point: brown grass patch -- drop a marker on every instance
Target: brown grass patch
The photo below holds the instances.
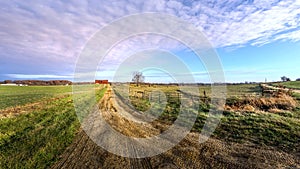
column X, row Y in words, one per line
column 27, row 108
column 248, row 108
column 271, row 104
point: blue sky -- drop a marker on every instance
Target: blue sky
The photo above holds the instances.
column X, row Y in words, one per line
column 254, row 39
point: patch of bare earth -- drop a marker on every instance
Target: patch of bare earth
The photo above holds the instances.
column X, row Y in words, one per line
column 27, row 108
column 189, row 153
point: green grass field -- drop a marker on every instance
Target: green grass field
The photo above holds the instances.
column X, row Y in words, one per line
column 280, row 130
column 11, row 96
column 35, row 139
column 276, row 129
column 290, row 84
column 243, row 90
column 231, row 90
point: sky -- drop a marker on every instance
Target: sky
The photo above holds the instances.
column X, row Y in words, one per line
column 255, row 40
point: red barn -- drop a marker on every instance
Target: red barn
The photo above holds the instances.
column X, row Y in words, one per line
column 101, row 81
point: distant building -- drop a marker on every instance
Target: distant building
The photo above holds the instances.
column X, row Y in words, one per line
column 101, row 81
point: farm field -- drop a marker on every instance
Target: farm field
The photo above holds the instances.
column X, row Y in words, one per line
column 248, row 117
column 12, row 96
column 254, row 132
column 40, row 123
column 231, row 90
column 289, row 84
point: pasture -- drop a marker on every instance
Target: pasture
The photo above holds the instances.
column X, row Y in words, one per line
column 248, row 116
column 289, row 84
column 37, row 136
column 38, row 123
column 12, row 96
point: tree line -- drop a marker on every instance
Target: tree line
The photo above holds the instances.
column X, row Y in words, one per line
column 37, row 82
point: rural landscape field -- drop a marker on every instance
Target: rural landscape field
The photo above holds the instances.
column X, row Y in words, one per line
column 158, row 84
column 40, row 129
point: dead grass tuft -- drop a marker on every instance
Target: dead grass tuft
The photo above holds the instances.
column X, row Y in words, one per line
column 275, row 103
column 248, row 108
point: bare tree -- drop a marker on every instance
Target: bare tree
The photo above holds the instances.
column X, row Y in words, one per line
column 138, row 78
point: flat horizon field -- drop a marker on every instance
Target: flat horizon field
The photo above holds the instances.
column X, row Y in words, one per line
column 39, row 127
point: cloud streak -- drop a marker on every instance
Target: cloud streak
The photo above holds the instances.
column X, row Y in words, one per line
column 31, row 76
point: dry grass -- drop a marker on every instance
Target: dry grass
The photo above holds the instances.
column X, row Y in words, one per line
column 27, row 108
column 276, row 103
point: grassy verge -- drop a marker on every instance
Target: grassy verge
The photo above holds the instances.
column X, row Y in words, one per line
column 289, row 84
column 278, row 130
column 36, row 139
column 38, row 136
column 296, row 95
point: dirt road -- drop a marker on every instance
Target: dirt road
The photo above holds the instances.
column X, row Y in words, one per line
column 277, row 88
column 84, row 153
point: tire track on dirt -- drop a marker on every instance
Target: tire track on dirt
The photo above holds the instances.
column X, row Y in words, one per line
column 84, row 153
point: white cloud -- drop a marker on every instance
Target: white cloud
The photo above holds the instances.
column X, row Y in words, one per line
column 248, row 23
column 295, row 36
column 61, row 28
column 29, row 76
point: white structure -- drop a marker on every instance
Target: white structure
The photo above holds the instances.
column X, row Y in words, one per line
column 13, row 84
column 9, row 84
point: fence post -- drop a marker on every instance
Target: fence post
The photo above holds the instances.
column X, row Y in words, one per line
column 159, row 98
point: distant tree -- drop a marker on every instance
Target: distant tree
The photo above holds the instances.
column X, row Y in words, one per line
column 7, row 81
column 284, row 78
column 288, row 79
column 138, row 78
column 298, row 79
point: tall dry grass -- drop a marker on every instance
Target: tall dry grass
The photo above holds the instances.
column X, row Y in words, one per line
column 278, row 101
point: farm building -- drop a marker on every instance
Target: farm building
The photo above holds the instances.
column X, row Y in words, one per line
column 101, row 81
